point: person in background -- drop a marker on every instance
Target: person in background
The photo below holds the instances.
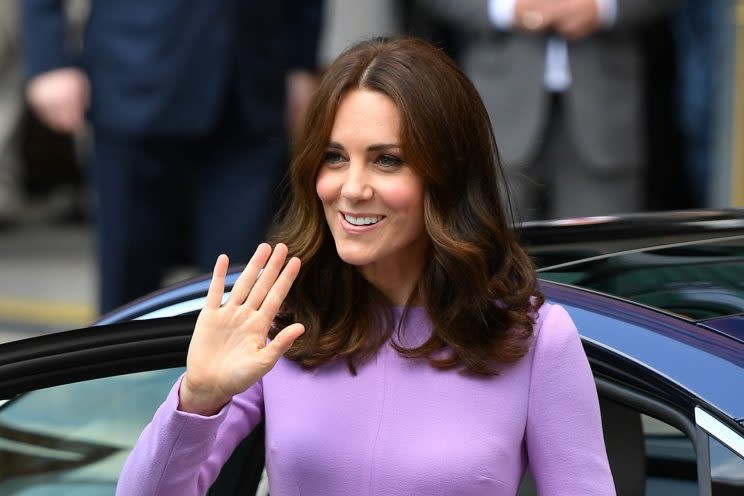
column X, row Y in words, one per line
column 394, row 338
column 189, row 105
column 698, row 70
column 11, row 111
column 562, row 81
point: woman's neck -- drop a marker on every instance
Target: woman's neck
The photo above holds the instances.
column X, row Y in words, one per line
column 396, row 283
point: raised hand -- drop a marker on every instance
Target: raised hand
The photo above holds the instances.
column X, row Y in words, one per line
column 229, row 350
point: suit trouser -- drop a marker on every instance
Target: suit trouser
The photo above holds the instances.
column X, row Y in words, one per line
column 160, row 199
column 561, row 182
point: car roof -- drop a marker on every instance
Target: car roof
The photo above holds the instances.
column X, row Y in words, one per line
column 690, row 263
column 553, row 242
column 700, row 280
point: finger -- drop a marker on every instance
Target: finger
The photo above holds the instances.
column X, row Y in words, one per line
column 268, row 277
column 247, row 278
column 282, row 342
column 574, row 29
column 280, row 288
column 217, row 284
column 564, row 22
column 552, row 14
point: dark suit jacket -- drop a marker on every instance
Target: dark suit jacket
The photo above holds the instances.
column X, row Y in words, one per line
column 164, row 67
column 604, row 103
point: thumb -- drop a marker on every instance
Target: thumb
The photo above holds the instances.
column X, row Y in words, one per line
column 283, row 341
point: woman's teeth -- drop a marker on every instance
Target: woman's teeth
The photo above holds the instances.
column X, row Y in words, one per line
column 362, row 221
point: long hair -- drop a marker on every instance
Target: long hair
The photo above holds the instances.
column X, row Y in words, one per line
column 478, row 286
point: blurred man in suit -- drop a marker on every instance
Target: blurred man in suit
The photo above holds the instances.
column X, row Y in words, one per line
column 562, row 80
column 189, row 104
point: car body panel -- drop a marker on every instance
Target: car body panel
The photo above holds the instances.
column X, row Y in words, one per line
column 731, row 326
column 693, row 358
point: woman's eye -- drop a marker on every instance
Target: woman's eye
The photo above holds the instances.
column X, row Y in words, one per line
column 333, row 158
column 389, row 160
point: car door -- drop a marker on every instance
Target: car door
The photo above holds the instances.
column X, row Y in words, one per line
column 666, row 390
column 75, row 402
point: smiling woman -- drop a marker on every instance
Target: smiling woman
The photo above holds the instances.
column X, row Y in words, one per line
column 403, row 133
column 396, row 317
column 373, row 201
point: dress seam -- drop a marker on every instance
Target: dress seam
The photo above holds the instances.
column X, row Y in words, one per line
column 170, row 456
column 379, row 424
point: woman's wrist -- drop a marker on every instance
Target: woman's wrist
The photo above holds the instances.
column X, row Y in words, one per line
column 191, row 401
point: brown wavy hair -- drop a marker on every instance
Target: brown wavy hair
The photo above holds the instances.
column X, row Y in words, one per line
column 478, row 286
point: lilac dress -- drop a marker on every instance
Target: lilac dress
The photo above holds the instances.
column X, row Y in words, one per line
column 399, row 427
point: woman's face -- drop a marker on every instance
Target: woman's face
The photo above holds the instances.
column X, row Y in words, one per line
column 373, row 201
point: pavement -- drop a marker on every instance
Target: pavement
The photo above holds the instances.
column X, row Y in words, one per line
column 47, row 278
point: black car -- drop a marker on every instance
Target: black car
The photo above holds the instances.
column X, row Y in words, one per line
column 657, row 298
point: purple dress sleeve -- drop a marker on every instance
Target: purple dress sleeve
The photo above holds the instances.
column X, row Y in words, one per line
column 564, row 429
column 182, row 453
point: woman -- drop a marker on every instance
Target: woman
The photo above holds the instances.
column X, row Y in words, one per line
column 412, row 353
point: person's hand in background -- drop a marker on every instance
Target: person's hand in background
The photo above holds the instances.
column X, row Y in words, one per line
column 573, row 19
column 60, row 98
column 300, row 88
column 534, row 16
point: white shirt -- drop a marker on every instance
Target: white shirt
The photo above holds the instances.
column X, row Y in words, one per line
column 557, row 72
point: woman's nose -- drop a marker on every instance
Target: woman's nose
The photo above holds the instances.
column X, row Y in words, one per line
column 356, row 185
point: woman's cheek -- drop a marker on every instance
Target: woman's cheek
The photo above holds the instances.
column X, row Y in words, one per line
column 405, row 195
column 324, row 187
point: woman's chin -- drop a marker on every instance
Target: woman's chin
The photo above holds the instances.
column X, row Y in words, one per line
column 354, row 257
column 354, row 260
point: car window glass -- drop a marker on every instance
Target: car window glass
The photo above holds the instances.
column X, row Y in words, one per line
column 726, row 470
column 698, row 281
column 671, row 463
column 74, row 438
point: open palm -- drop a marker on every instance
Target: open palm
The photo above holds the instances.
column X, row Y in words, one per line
column 229, row 350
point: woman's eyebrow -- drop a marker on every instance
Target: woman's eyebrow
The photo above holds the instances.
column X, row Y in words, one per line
column 382, row 146
column 371, row 148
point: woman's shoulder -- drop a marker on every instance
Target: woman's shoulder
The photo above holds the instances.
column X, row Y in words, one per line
column 553, row 324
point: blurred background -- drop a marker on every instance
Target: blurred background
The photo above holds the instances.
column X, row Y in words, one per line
column 672, row 77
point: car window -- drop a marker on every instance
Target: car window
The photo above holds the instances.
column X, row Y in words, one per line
column 671, row 463
column 74, row 438
column 647, row 456
column 698, row 281
column 726, row 470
